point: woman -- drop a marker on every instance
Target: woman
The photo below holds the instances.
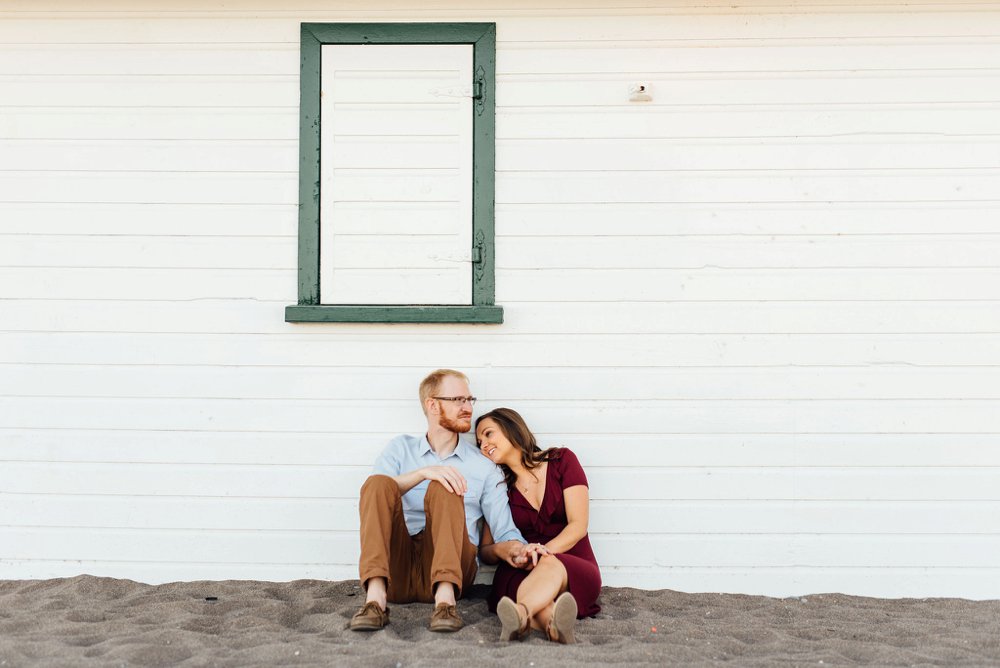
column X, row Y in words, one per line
column 550, row 503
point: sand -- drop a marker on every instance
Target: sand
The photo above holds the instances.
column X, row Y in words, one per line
column 91, row 621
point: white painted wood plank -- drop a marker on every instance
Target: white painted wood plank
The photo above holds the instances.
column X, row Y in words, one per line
column 647, row 484
column 246, row 547
column 601, row 449
column 202, row 447
column 616, row 58
column 751, row 121
column 752, row 186
column 972, row 583
column 180, row 513
column 888, row 251
column 708, row 284
column 534, row 91
column 882, row 23
column 367, row 152
column 630, row 417
column 62, row 29
column 518, row 220
column 747, row 219
column 607, row 518
column 514, row 155
column 391, row 185
column 145, row 283
column 145, row 91
column 147, row 187
column 789, row 123
column 641, row 318
column 148, row 155
column 234, row 220
column 426, row 349
column 178, row 122
column 159, row 60
column 504, row 386
column 520, row 285
column 814, row 87
column 176, row 480
column 356, row 254
column 779, row 23
column 630, row 154
column 672, row 551
column 408, row 286
column 154, row 572
column 136, row 250
column 525, row 253
column 763, row 317
column 918, row 551
column 882, row 518
column 243, row 317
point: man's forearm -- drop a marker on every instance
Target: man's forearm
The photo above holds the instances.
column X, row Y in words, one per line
column 504, row 551
column 408, row 481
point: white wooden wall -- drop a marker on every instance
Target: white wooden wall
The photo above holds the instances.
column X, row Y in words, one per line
column 763, row 307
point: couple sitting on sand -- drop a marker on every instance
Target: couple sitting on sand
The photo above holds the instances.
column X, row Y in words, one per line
column 421, row 512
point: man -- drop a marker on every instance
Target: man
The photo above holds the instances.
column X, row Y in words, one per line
column 420, row 512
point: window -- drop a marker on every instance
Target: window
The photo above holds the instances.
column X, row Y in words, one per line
column 396, row 171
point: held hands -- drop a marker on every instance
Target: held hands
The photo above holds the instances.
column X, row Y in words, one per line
column 525, row 556
column 532, row 553
column 448, row 476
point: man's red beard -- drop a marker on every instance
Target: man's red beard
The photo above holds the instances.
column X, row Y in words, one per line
column 458, row 426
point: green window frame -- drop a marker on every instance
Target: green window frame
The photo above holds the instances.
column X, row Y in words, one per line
column 483, row 38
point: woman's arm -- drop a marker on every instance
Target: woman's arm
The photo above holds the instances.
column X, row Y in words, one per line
column 577, row 500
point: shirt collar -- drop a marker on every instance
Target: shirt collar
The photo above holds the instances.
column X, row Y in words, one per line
column 460, row 449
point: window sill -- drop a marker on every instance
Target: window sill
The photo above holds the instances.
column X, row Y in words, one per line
column 402, row 314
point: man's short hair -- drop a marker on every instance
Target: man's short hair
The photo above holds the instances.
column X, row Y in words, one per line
column 429, row 385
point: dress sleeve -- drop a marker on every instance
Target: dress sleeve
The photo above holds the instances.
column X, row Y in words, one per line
column 572, row 472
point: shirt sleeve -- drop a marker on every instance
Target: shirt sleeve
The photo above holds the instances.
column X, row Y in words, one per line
column 572, row 472
column 390, row 462
column 496, row 509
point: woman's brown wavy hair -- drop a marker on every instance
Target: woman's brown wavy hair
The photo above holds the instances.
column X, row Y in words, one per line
column 516, row 430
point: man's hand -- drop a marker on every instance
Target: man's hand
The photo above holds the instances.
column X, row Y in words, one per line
column 448, row 476
column 513, row 552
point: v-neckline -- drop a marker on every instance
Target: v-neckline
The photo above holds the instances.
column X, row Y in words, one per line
column 545, row 489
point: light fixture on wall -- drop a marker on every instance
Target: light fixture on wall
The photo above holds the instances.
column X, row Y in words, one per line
column 639, row 92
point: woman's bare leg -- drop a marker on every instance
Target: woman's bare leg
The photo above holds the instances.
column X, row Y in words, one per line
column 538, row 591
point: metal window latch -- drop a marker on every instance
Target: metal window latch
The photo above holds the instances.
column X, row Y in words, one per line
column 479, row 256
column 479, row 91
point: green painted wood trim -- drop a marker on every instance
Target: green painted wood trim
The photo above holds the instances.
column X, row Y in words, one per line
column 409, row 314
column 483, row 38
column 484, row 168
column 309, row 167
column 398, row 33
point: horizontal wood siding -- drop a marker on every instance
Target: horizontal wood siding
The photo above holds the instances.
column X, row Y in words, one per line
column 763, row 308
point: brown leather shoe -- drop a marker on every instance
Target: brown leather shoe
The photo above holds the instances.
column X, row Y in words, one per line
column 370, row 617
column 445, row 619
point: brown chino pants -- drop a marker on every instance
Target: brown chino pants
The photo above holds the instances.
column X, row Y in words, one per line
column 413, row 564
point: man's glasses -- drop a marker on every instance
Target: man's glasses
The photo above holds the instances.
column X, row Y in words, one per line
column 458, row 400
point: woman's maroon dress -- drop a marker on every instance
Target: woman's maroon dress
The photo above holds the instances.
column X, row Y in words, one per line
column 544, row 524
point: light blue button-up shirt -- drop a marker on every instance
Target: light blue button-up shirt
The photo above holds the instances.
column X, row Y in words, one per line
column 486, row 497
